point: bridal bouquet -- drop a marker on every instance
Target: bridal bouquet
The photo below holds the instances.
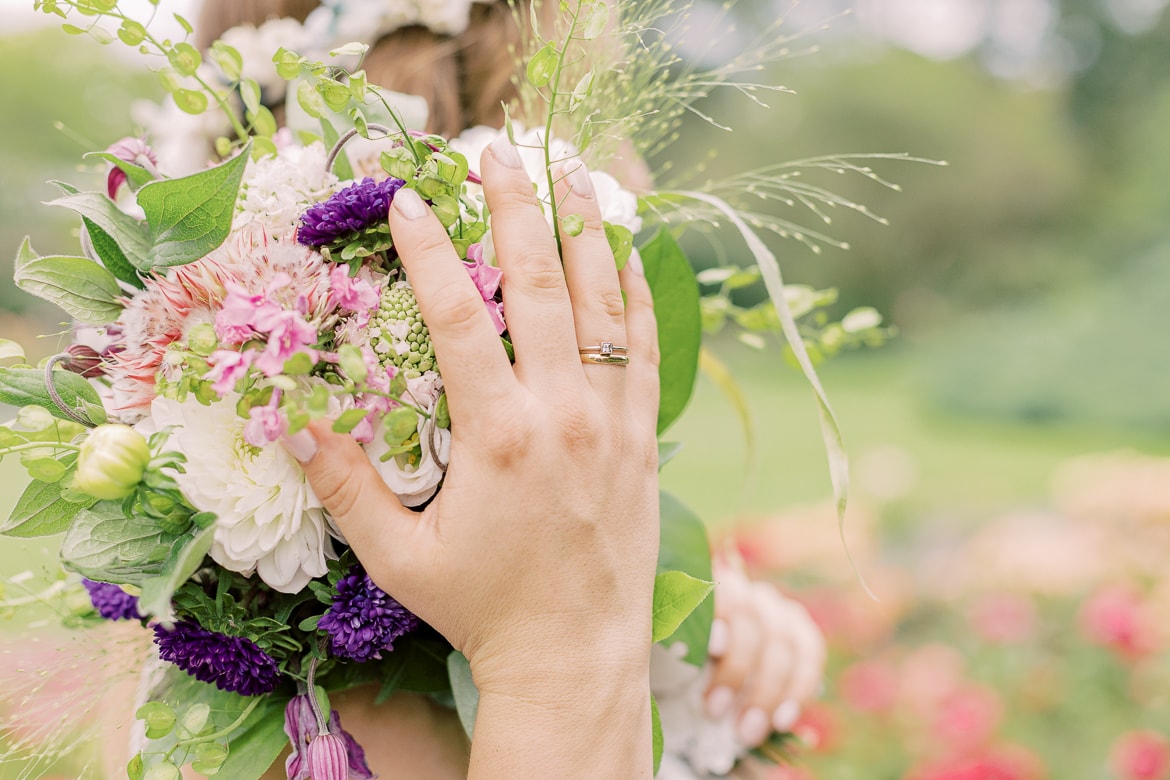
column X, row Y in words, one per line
column 221, row 311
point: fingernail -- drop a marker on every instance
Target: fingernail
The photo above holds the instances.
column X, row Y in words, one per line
column 635, row 262
column 505, row 153
column 409, row 204
column 753, row 727
column 719, row 701
column 785, row 716
column 577, row 177
column 301, row 445
column 717, row 644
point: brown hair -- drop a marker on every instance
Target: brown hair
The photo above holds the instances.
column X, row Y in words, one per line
column 464, row 78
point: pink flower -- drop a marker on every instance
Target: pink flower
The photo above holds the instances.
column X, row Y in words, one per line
column 227, row 368
column 1112, row 617
column 968, row 717
column 355, row 295
column 487, row 280
column 1003, row 618
column 870, row 686
column 131, row 150
column 288, row 334
column 236, row 321
column 265, row 423
column 1141, row 755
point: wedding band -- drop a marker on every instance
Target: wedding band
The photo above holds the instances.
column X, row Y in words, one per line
column 606, row 354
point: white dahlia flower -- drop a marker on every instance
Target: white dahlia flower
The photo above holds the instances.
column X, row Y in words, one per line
column 268, row 519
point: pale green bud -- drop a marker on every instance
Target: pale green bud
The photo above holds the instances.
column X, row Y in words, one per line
column 111, row 463
column 201, row 339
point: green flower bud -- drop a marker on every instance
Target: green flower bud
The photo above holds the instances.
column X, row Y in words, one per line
column 111, row 463
column 202, row 340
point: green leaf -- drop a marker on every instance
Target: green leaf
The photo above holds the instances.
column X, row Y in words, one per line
column 666, row 452
column 159, row 717
column 543, row 65
column 595, row 24
column 9, row 350
column 656, row 737
column 103, row 543
column 111, row 255
column 229, row 60
column 209, row 758
column 349, row 419
column 190, row 101
column 136, row 175
column 192, row 215
column 676, row 595
column 184, row 24
column 195, row 718
column 44, row 469
column 621, row 243
column 463, row 690
column 680, row 328
column 41, row 510
column 830, row 429
column 79, row 286
column 131, row 236
column 684, row 547
column 26, row 386
column 186, row 559
column 250, row 94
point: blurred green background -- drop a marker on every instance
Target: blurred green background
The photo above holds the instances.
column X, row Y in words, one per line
column 1029, row 281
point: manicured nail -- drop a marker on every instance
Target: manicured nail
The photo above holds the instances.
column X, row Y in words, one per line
column 717, row 644
column 719, row 701
column 409, row 204
column 505, row 153
column 753, row 727
column 576, row 175
column 301, row 445
column 785, row 716
column 634, row 263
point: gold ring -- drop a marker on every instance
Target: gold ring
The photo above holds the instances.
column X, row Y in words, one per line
column 606, row 354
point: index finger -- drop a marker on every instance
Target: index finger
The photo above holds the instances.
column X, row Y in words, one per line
column 471, row 359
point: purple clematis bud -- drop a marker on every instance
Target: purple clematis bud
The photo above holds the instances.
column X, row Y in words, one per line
column 332, row 755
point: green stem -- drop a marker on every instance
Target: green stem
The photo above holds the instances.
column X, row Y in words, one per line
column 256, row 700
column 548, row 125
column 39, row 445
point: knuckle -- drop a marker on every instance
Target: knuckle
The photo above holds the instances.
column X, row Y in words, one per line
column 338, row 492
column 610, row 302
column 539, row 273
column 578, row 430
column 454, row 311
column 516, row 196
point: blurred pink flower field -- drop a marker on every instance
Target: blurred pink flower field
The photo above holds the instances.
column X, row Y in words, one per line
column 1033, row 646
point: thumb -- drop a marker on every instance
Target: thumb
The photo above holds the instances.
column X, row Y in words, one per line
column 353, row 493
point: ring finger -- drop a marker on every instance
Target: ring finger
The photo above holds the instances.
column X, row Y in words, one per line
column 599, row 313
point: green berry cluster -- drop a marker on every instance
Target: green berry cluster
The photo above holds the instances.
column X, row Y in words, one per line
column 398, row 335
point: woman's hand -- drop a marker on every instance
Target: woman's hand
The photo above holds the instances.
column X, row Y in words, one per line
column 767, row 656
column 537, row 557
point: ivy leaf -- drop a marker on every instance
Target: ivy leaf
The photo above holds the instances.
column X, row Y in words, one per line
column 42, row 511
column 192, row 215
column 26, row 387
column 79, row 286
column 680, row 328
column 464, row 690
column 104, row 543
column 186, row 558
column 684, row 547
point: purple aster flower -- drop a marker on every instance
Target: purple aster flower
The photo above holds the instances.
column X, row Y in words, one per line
column 232, row 663
column 351, row 210
column 334, row 754
column 364, row 620
column 112, row 602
